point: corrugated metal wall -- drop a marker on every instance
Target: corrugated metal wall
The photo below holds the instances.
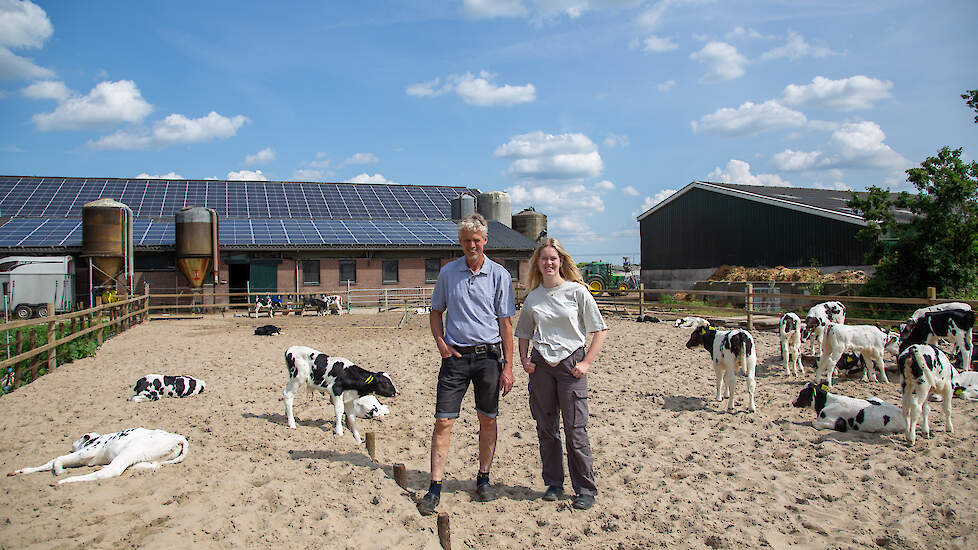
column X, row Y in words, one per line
column 704, row 229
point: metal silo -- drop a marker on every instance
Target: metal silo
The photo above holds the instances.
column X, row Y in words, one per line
column 495, row 205
column 107, row 243
column 530, row 223
column 196, row 242
column 463, row 205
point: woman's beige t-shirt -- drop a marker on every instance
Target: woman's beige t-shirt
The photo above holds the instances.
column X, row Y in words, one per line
column 559, row 319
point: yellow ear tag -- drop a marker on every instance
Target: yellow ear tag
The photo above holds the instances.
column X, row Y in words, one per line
column 369, row 379
column 959, row 391
column 702, row 331
column 824, row 388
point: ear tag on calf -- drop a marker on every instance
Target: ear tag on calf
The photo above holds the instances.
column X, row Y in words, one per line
column 369, row 379
column 702, row 331
column 825, row 388
column 958, row 392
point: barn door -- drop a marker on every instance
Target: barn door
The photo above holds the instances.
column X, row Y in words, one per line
column 264, row 276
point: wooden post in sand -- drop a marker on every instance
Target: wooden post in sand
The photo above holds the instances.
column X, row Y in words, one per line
column 372, row 446
column 444, row 531
column 750, row 306
column 400, row 475
column 641, row 299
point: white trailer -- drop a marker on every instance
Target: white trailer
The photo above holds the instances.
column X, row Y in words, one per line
column 29, row 283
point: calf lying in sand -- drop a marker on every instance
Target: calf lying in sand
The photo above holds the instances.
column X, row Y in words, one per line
column 843, row 414
column 340, row 378
column 136, row 448
column 926, row 370
column 155, row 386
column 731, row 350
column 268, row 330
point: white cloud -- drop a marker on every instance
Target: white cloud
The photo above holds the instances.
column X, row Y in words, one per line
column 475, row 90
column 629, row 190
column 167, row 176
column 305, row 174
column 11, row 149
column 604, row 185
column 650, row 201
column 478, row 9
column 749, row 119
column 612, row 141
column 246, row 175
column 741, row 32
column 834, row 186
column 320, row 162
column 666, row 86
column 364, row 178
column 174, row 130
column 542, row 156
column 361, row 158
column 107, row 104
column 854, row 145
column 22, row 25
column 47, row 89
column 264, row 156
column 738, row 171
column 795, row 47
column 655, row 43
column 722, row 60
column 824, row 125
column 847, row 94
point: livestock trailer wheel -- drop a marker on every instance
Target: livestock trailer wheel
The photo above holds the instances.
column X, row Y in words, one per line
column 23, row 312
column 595, row 285
column 41, row 311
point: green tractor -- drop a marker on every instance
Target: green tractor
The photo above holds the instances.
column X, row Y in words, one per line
column 599, row 278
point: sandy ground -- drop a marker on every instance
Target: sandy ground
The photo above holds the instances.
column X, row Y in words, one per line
column 672, row 466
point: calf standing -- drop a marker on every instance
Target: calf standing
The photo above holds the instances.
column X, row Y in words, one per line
column 789, row 330
column 819, row 316
column 926, row 370
column 731, row 350
column 138, row 448
column 866, row 340
column 952, row 323
column 339, row 377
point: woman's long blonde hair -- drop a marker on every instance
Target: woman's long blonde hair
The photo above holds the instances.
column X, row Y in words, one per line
column 568, row 269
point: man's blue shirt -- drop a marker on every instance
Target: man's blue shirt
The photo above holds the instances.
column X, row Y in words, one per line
column 473, row 302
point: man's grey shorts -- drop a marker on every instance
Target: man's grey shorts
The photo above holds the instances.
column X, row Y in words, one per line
column 453, row 380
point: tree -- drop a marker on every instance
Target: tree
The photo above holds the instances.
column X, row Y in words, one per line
column 939, row 246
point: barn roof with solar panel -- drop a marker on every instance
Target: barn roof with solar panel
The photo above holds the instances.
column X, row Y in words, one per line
column 41, row 214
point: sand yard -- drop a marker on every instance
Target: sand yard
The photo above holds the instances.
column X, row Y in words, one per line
column 674, row 469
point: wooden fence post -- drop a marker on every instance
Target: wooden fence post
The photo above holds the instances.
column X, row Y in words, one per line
column 932, row 294
column 98, row 322
column 641, row 299
column 750, row 306
column 32, row 341
column 18, row 349
column 145, row 315
column 52, row 336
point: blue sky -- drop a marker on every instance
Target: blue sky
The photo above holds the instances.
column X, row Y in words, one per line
column 588, row 110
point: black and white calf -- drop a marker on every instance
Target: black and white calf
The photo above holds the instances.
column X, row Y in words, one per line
column 926, row 370
column 731, row 350
column 953, row 323
column 818, row 317
column 328, row 304
column 866, row 340
column 789, row 330
column 367, row 406
column 268, row 330
column 135, row 448
column 155, row 386
column 340, row 378
column 965, row 384
column 843, row 414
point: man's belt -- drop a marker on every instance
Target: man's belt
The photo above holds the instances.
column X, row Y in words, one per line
column 480, row 349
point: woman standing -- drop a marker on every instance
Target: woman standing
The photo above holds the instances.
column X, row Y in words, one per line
column 557, row 316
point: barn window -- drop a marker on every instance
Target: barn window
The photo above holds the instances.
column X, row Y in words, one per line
column 310, row 272
column 431, row 268
column 390, row 272
column 348, row 271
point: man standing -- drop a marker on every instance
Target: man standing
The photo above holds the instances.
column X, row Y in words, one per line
column 475, row 295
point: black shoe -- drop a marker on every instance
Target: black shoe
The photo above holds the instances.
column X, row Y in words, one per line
column 553, row 493
column 583, row 502
column 427, row 504
column 485, row 493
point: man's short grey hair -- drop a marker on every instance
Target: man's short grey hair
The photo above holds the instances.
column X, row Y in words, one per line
column 473, row 223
